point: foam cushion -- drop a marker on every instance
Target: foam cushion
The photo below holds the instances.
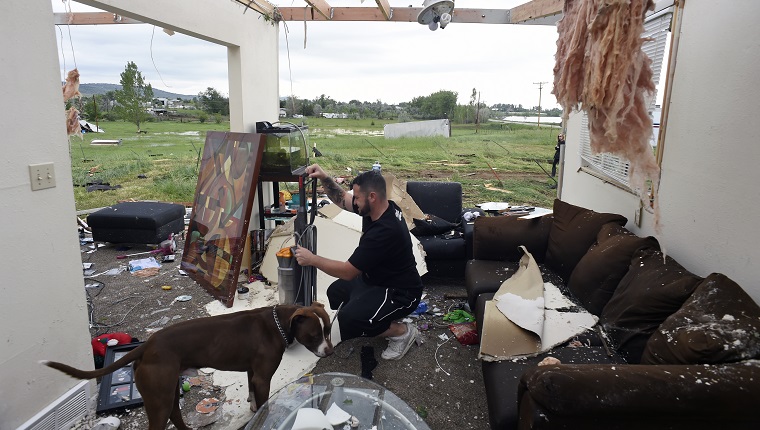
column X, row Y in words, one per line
column 573, row 232
column 599, row 272
column 719, row 323
column 653, row 289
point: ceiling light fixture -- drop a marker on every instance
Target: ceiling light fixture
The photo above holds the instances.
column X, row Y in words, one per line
column 436, row 13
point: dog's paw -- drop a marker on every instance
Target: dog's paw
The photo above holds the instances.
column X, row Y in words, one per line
column 253, row 407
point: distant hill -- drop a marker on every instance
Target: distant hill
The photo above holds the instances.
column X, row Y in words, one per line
column 88, row 90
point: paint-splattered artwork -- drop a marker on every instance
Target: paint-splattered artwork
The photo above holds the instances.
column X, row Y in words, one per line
column 223, row 200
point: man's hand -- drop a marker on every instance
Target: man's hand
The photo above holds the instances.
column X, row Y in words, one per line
column 304, row 257
column 315, row 171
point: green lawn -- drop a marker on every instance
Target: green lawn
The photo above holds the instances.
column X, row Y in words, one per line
column 167, row 154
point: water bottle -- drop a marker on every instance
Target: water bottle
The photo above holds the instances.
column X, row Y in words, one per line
column 376, row 167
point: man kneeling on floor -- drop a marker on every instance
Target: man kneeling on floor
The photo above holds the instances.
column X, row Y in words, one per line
column 379, row 283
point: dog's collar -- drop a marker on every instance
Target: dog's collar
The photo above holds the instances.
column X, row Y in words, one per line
column 279, row 326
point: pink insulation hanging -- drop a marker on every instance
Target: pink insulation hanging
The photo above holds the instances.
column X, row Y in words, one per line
column 601, row 69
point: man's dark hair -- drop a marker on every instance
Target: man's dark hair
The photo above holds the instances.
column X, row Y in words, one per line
column 371, row 181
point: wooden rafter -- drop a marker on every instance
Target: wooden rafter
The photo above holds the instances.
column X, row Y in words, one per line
column 322, row 11
column 322, row 7
column 92, row 18
column 385, row 8
column 535, row 9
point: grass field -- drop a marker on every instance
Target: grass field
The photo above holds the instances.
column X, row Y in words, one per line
column 498, row 162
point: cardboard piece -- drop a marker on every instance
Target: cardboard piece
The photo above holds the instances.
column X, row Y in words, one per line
column 526, row 317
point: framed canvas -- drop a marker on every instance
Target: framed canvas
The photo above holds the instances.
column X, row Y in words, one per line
column 218, row 228
column 118, row 390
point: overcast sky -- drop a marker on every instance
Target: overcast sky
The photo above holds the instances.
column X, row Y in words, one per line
column 392, row 62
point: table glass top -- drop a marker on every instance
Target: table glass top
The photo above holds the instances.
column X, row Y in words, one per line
column 371, row 404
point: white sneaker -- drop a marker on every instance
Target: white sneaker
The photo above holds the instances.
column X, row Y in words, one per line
column 399, row 345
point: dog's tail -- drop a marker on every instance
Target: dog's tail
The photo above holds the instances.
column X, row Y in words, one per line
column 89, row 374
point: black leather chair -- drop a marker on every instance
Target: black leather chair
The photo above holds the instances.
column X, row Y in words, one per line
column 446, row 253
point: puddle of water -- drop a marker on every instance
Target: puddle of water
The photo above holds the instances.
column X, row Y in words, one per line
column 184, row 133
column 332, row 132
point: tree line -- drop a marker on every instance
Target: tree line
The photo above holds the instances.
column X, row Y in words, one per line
column 135, row 103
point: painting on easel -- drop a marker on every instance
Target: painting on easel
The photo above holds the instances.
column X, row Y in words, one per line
column 216, row 235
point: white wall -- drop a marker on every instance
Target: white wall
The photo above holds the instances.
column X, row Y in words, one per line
column 710, row 188
column 44, row 313
column 435, row 127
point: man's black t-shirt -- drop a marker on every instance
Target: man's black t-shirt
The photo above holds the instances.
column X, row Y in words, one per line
column 384, row 254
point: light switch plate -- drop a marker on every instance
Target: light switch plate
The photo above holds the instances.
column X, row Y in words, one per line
column 42, row 176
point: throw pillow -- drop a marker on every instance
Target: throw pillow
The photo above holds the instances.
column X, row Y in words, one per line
column 432, row 225
column 653, row 289
column 720, row 323
column 573, row 232
column 599, row 272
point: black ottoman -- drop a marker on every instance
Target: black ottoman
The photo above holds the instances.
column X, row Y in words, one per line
column 137, row 222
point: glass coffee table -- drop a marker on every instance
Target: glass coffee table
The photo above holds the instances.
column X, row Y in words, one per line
column 373, row 405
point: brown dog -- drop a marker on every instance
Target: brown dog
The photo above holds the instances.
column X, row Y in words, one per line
column 249, row 341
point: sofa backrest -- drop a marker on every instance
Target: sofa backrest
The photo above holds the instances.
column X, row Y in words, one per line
column 598, row 273
column 719, row 323
column 572, row 233
column 654, row 288
column 443, row 199
column 500, row 238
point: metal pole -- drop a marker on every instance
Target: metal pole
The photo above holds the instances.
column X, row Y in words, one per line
column 540, row 87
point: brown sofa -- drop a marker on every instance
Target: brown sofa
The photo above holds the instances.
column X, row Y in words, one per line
column 671, row 350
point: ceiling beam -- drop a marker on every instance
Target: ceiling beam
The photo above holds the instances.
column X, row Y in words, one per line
column 322, row 7
column 402, row 14
column 261, row 6
column 385, row 8
column 535, row 9
column 92, row 18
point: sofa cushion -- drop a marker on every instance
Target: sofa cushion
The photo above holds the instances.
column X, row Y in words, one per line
column 432, row 225
column 599, row 272
column 719, row 323
column 573, row 232
column 653, row 289
column 442, row 247
column 500, row 238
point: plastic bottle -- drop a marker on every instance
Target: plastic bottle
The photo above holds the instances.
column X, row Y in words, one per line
column 377, row 167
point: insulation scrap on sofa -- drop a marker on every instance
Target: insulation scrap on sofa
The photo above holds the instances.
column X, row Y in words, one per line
column 528, row 316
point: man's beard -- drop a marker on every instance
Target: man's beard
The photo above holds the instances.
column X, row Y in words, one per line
column 365, row 210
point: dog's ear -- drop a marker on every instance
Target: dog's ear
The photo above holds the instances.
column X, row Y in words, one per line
column 317, row 304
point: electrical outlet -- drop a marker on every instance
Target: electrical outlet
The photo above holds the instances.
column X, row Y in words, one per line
column 42, row 176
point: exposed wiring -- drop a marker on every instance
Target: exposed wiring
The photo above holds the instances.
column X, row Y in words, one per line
column 67, row 7
column 63, row 55
column 94, row 324
column 436, row 357
column 290, row 70
column 151, row 58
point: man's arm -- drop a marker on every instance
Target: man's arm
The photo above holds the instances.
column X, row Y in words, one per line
column 339, row 269
column 338, row 195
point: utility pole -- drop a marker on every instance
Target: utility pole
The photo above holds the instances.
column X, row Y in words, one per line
column 540, row 87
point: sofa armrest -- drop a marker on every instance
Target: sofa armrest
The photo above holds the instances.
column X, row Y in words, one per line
column 640, row 396
column 500, row 238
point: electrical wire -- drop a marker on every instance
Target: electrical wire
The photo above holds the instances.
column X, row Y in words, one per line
column 151, row 58
column 67, row 7
column 436, row 357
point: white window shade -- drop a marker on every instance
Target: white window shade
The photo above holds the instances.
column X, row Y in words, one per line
column 608, row 166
